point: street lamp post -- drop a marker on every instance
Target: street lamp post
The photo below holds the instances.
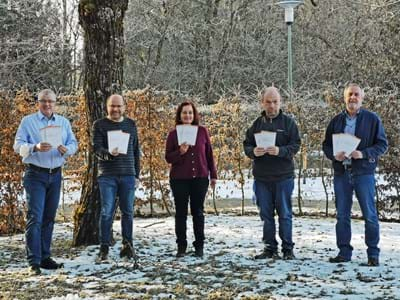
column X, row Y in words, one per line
column 289, row 6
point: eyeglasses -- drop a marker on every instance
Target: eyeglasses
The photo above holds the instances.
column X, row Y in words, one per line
column 47, row 101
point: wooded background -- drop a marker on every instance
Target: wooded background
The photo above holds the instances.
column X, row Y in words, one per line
column 207, row 48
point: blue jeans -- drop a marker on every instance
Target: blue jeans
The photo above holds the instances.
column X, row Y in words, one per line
column 42, row 195
column 124, row 188
column 277, row 196
column 364, row 187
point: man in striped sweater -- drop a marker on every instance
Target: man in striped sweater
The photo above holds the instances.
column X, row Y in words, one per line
column 118, row 174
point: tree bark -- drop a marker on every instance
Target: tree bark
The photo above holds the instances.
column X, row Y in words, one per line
column 103, row 25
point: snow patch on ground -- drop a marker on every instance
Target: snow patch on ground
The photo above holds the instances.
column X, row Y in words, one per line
column 228, row 270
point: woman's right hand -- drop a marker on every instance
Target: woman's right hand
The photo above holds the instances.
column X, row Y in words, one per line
column 183, row 148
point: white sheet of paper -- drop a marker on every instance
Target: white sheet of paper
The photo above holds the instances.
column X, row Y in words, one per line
column 344, row 142
column 187, row 134
column 265, row 139
column 51, row 135
column 118, row 139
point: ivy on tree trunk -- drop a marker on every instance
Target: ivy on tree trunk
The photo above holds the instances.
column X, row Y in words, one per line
column 103, row 25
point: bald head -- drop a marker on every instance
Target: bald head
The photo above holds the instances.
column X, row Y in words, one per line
column 114, row 96
column 271, row 92
column 271, row 101
column 115, row 108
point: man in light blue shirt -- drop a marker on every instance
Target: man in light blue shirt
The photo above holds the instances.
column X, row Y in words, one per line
column 42, row 179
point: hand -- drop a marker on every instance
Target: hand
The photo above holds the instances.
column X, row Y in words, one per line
column 42, row 147
column 183, row 148
column 62, row 149
column 213, row 182
column 259, row 151
column 114, row 152
column 340, row 156
column 273, row 150
column 356, row 154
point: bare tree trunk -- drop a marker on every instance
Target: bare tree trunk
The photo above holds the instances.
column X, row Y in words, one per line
column 64, row 37
column 103, row 25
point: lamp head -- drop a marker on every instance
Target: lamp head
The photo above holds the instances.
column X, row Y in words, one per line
column 289, row 6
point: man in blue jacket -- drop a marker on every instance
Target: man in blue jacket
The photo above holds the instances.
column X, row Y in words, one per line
column 273, row 171
column 355, row 173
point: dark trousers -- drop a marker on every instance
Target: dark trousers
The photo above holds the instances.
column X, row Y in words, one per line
column 195, row 190
column 42, row 197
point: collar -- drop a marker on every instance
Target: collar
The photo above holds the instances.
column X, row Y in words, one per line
column 265, row 115
column 42, row 116
column 351, row 117
column 119, row 121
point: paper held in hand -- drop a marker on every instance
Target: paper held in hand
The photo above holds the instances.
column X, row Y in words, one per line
column 265, row 139
column 118, row 139
column 51, row 135
column 344, row 142
column 187, row 134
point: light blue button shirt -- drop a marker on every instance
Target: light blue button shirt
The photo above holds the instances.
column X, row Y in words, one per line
column 28, row 134
column 350, row 128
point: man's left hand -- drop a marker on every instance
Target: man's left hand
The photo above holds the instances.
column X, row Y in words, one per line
column 62, row 149
column 273, row 150
column 356, row 154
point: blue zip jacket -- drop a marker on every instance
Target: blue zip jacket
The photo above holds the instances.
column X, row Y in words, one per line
column 373, row 142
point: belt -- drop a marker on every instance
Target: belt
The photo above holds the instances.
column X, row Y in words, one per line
column 43, row 170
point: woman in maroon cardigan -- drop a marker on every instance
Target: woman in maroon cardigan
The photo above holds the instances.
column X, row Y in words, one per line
column 191, row 168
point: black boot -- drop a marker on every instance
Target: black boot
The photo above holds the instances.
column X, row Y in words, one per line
column 103, row 253
column 181, row 251
column 288, row 254
column 127, row 250
column 50, row 264
column 199, row 251
column 267, row 253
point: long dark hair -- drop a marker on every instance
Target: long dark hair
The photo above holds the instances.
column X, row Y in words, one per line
column 196, row 116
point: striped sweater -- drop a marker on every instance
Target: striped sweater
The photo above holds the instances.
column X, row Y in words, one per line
column 123, row 164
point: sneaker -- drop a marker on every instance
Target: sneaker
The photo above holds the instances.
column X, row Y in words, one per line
column 267, row 253
column 288, row 255
column 127, row 250
column 373, row 262
column 181, row 251
column 338, row 259
column 35, row 269
column 103, row 253
column 198, row 252
column 50, row 264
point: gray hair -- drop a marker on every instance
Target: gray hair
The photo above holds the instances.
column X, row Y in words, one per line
column 47, row 92
column 350, row 85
